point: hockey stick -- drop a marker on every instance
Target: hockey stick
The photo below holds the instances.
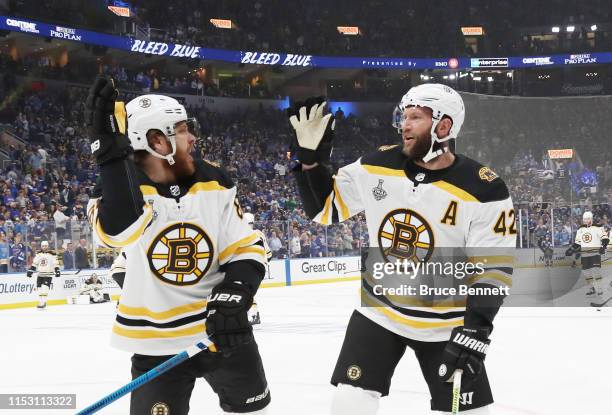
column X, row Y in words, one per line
column 599, row 305
column 149, row 376
column 456, row 391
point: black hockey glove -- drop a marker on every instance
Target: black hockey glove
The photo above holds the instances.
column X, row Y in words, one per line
column 314, row 130
column 57, row 272
column 227, row 323
column 30, row 272
column 466, row 350
column 104, row 118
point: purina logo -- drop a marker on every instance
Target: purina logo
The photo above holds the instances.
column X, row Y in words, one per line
column 579, row 59
column 65, row 33
column 23, row 26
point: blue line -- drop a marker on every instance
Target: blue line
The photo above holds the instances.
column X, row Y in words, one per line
column 288, row 272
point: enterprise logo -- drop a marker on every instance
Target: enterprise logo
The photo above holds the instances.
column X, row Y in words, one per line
column 489, row 62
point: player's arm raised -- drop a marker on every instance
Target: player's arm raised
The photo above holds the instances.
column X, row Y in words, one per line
column 120, row 213
column 326, row 198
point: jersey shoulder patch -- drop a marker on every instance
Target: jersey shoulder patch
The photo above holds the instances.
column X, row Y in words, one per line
column 389, row 156
column 478, row 180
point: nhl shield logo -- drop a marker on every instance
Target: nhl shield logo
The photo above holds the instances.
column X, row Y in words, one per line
column 419, row 177
column 378, row 191
column 175, row 190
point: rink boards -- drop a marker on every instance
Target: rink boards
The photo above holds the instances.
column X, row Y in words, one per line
column 532, row 282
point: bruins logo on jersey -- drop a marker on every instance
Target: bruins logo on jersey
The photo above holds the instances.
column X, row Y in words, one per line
column 586, row 238
column 404, row 234
column 181, row 254
column 486, row 174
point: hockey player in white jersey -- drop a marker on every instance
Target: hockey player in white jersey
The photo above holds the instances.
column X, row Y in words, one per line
column 254, row 316
column 46, row 265
column 416, row 196
column 92, row 287
column 590, row 244
column 193, row 265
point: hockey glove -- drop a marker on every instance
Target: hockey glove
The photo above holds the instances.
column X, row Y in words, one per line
column 466, row 350
column 227, row 323
column 30, row 272
column 104, row 117
column 314, row 131
column 57, row 272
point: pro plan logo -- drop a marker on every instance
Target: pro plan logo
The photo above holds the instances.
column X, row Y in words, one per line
column 160, row 408
column 353, row 372
column 144, row 102
column 404, row 234
column 181, row 254
column 587, row 238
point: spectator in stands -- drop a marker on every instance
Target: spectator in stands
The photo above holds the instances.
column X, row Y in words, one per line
column 4, row 253
column 81, row 256
column 17, row 254
column 275, row 245
column 61, row 221
column 68, row 256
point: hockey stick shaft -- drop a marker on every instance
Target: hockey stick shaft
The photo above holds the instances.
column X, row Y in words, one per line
column 456, row 391
column 147, row 377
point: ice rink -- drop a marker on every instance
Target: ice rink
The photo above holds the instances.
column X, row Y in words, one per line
column 542, row 361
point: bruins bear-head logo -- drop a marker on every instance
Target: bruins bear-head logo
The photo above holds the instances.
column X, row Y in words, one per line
column 586, row 238
column 181, row 254
column 486, row 174
column 404, row 234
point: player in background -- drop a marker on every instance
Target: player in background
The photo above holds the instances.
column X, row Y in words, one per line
column 589, row 245
column 545, row 245
column 46, row 265
column 92, row 286
column 254, row 316
column 411, row 192
column 193, row 265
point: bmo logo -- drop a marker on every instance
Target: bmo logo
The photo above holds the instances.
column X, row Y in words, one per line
column 453, row 63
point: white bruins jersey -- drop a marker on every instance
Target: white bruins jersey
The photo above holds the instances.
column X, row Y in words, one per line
column 590, row 239
column 410, row 208
column 175, row 251
column 263, row 238
column 118, row 266
column 45, row 264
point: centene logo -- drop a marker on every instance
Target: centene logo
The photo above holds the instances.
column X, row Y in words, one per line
column 538, row 61
column 23, row 26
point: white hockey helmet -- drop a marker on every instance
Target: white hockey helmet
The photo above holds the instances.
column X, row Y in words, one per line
column 250, row 218
column 154, row 112
column 443, row 101
column 587, row 217
column 44, row 245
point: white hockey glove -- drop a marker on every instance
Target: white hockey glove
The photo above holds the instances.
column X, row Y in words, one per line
column 314, row 130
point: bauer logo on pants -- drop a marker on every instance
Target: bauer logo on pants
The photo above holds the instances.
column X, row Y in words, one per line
column 160, row 408
column 353, row 372
column 181, row 254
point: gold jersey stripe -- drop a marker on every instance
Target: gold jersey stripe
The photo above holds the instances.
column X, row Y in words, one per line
column 162, row 315
column 206, row 187
column 231, row 249
column 250, row 250
column 159, row 334
column 490, row 276
column 384, row 171
column 147, row 190
column 454, row 190
column 108, row 240
column 328, row 203
column 344, row 211
column 492, row 259
column 416, row 324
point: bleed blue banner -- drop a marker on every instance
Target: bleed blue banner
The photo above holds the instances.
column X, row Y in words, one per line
column 288, row 59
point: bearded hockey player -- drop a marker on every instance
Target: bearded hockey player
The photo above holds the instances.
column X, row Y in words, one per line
column 192, row 264
column 416, row 194
column 589, row 245
column 254, row 317
column 45, row 263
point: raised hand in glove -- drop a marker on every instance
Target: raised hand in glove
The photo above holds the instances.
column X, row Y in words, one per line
column 466, row 350
column 105, row 121
column 313, row 129
column 57, row 272
column 227, row 323
column 30, row 272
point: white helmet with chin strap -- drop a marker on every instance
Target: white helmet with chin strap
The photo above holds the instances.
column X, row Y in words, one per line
column 154, row 112
column 587, row 217
column 443, row 101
